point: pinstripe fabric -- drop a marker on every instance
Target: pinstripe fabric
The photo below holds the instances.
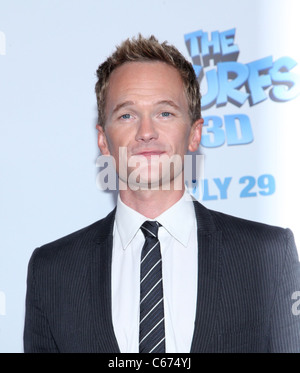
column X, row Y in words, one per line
column 152, row 323
column 247, row 273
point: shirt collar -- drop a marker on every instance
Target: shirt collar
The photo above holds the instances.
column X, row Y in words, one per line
column 178, row 220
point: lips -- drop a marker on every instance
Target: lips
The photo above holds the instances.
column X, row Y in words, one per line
column 149, row 153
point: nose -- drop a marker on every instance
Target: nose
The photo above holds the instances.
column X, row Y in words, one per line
column 146, row 130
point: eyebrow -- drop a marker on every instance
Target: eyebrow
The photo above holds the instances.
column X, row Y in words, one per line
column 130, row 103
column 169, row 103
column 122, row 105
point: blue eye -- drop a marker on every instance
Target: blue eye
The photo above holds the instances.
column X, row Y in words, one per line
column 165, row 114
column 125, row 116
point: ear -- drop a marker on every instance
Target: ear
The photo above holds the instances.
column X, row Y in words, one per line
column 102, row 140
column 195, row 135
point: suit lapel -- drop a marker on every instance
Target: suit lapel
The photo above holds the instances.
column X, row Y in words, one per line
column 101, row 286
column 209, row 250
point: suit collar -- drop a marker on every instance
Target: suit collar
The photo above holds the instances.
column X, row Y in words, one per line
column 105, row 227
column 209, row 278
column 205, row 222
column 101, row 285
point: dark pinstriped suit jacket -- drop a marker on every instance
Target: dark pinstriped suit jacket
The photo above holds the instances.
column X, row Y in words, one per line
column 247, row 273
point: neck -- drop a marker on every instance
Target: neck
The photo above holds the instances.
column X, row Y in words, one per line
column 150, row 203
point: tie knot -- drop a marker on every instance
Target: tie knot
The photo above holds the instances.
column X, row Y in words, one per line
column 150, row 228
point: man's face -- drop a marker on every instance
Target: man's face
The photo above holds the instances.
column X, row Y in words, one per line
column 147, row 114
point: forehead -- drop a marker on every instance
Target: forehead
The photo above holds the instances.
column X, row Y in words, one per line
column 144, row 67
column 145, row 79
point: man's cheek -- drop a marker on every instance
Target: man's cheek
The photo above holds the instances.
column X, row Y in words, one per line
column 122, row 162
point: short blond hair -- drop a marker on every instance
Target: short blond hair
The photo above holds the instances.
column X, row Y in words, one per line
column 142, row 49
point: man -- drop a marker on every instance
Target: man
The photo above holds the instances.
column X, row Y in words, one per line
column 160, row 273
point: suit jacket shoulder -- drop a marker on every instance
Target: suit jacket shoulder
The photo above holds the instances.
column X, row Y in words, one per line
column 243, row 234
column 77, row 242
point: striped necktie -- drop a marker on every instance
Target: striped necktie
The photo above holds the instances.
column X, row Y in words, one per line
column 152, row 326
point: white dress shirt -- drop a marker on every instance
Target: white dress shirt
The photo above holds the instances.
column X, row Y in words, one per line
column 178, row 240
